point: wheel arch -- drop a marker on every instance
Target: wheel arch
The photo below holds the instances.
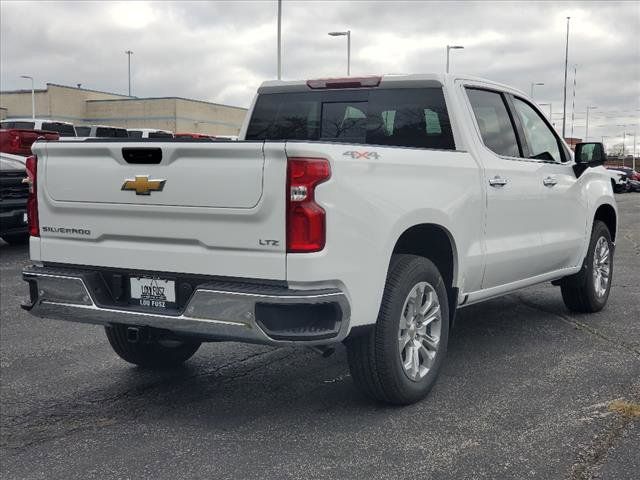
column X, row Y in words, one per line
column 607, row 214
column 436, row 243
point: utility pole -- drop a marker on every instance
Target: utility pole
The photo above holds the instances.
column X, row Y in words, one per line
column 279, row 39
column 564, row 96
column 129, row 53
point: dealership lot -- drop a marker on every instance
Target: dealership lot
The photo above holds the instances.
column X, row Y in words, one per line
column 524, row 394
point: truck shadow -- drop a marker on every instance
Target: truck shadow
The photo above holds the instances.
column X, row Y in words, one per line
column 233, row 386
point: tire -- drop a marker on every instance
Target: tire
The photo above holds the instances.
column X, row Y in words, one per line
column 16, row 238
column 150, row 353
column 376, row 358
column 583, row 295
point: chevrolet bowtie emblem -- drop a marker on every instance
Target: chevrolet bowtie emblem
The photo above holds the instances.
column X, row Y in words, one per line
column 143, row 186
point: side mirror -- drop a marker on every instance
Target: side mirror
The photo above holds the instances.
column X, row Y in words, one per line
column 590, row 154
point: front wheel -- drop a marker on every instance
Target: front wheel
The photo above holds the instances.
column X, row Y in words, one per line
column 399, row 359
column 154, row 352
column 591, row 292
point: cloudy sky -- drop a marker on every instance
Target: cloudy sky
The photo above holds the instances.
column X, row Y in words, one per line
column 221, row 51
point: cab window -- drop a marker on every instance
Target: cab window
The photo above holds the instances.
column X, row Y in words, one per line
column 542, row 142
column 494, row 122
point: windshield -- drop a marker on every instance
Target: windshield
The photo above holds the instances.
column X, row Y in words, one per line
column 406, row 117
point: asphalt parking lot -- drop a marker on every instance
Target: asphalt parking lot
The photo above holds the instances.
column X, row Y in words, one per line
column 526, row 393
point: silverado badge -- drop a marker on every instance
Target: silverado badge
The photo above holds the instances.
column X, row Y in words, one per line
column 143, row 186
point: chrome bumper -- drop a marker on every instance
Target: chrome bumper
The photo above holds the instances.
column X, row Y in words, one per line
column 216, row 310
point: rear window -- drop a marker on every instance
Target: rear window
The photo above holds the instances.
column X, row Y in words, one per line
column 403, row 117
column 63, row 129
column 160, row 135
column 111, row 132
column 83, row 131
column 22, row 125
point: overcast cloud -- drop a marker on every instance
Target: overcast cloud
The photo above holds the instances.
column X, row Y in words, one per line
column 221, row 51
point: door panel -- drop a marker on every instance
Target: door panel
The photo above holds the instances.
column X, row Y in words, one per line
column 563, row 204
column 512, row 219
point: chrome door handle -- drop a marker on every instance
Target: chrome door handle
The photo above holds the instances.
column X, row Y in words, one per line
column 549, row 181
column 497, row 181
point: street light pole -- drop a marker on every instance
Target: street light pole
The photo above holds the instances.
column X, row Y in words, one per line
column 348, row 35
column 534, row 85
column 33, row 96
column 279, row 39
column 564, row 96
column 586, row 132
column 550, row 111
column 633, row 158
column 129, row 53
column 451, row 47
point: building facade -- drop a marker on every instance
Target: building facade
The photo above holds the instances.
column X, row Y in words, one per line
column 91, row 107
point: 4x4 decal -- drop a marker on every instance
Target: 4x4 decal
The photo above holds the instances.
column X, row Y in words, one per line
column 368, row 155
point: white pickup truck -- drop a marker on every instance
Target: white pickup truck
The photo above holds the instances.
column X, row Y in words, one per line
column 358, row 210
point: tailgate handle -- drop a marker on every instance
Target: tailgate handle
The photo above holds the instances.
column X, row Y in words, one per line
column 142, row 155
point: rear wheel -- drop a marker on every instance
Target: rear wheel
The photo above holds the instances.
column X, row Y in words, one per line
column 398, row 360
column 590, row 291
column 150, row 351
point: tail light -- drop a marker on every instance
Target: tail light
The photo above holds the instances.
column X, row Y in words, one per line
column 306, row 226
column 32, row 201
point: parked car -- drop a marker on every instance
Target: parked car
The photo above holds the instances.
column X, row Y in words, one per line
column 83, row 131
column 634, row 186
column 13, row 199
column 15, row 146
column 18, row 142
column 358, row 210
column 629, row 172
column 105, row 131
column 195, row 136
column 148, row 133
column 619, row 180
column 64, row 129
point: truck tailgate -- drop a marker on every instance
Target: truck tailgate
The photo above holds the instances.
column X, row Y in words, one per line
column 200, row 208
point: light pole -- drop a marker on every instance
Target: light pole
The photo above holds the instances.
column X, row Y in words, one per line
column 633, row 158
column 550, row 111
column 348, row 35
column 452, row 47
column 129, row 53
column 586, row 132
column 33, row 96
column 279, row 39
column 534, row 85
column 564, row 95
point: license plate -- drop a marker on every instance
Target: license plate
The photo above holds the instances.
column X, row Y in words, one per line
column 153, row 292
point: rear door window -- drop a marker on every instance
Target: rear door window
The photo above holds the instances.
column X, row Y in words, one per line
column 63, row 129
column 403, row 117
column 111, row 132
column 135, row 133
column 83, row 131
column 160, row 135
column 495, row 125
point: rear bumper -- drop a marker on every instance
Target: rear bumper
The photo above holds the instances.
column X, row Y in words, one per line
column 215, row 310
